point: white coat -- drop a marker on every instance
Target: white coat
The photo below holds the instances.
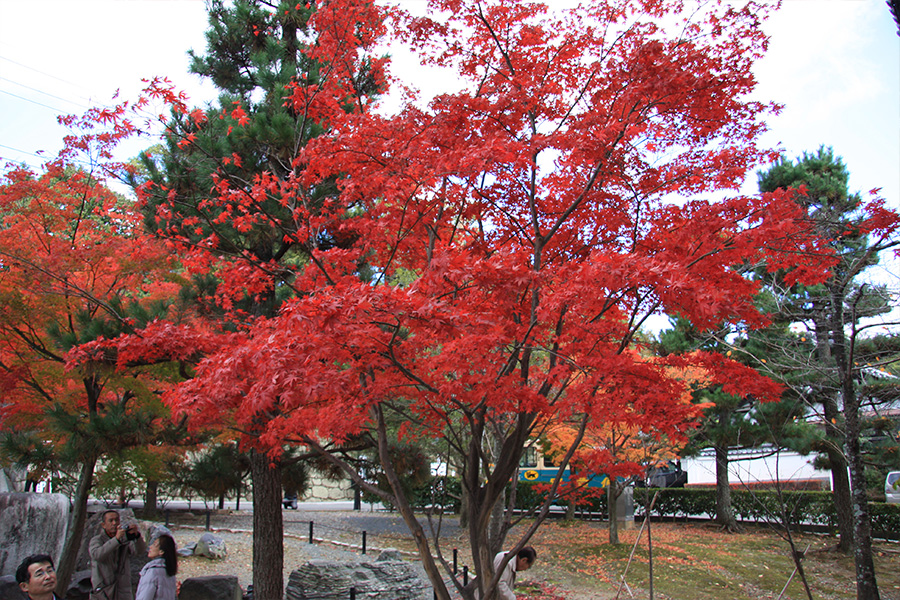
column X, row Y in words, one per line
column 155, row 584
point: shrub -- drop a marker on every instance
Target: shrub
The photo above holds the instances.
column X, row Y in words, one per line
column 802, row 507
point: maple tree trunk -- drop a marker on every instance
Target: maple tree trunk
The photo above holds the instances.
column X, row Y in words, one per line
column 268, row 529
column 463, row 508
column 66, row 567
column 724, row 511
column 496, row 531
column 406, row 511
column 611, row 497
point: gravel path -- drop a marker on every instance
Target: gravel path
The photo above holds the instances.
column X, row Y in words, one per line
column 337, row 537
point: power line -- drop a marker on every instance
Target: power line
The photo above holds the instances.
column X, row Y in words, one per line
column 44, row 93
column 22, row 151
column 54, row 109
column 24, row 66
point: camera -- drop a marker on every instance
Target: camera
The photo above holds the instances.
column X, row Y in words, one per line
column 129, row 535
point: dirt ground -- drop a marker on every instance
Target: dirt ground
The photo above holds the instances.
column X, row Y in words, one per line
column 691, row 561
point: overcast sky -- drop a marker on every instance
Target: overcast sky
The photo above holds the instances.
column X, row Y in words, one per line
column 834, row 64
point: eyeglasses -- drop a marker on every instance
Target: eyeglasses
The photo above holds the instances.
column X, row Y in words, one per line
column 43, row 572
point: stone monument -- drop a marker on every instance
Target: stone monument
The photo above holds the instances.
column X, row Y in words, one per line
column 31, row 523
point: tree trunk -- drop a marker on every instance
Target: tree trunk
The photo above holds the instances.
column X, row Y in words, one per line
column 268, row 529
column 570, row 510
column 496, row 530
column 612, row 496
column 866, row 584
column 463, row 508
column 724, row 510
column 406, row 511
column 840, row 480
column 66, row 567
column 150, row 499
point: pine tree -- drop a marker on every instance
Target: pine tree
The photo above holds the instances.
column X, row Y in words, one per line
column 831, row 315
column 202, row 189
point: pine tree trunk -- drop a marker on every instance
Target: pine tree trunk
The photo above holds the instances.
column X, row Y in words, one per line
column 268, row 529
column 724, row 510
column 840, row 479
column 150, row 499
column 66, row 567
column 866, row 584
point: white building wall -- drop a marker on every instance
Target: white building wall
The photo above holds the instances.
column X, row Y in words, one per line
column 754, row 466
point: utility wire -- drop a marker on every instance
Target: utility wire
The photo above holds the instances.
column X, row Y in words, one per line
column 22, row 151
column 27, row 87
column 24, row 66
column 53, row 108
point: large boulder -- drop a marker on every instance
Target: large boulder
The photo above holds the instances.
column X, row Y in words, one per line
column 211, row 546
column 80, row 586
column 215, row 587
column 31, row 523
column 9, row 589
column 384, row 579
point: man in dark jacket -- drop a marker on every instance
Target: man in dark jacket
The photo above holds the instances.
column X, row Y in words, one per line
column 111, row 552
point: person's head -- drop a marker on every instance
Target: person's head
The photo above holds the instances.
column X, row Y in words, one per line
column 110, row 522
column 164, row 546
column 36, row 575
column 525, row 558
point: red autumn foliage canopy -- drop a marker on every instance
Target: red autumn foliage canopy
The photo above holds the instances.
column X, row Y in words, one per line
column 521, row 231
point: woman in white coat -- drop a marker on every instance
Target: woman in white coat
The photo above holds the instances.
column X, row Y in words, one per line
column 158, row 576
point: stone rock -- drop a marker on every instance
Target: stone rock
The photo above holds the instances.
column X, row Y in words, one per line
column 154, row 530
column 215, row 587
column 187, row 549
column 9, row 589
column 210, row 546
column 389, row 554
column 31, row 524
column 80, row 587
column 331, row 580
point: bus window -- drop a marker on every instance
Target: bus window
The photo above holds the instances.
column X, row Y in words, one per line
column 529, row 458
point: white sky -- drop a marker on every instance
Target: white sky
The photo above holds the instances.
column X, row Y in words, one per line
column 834, row 64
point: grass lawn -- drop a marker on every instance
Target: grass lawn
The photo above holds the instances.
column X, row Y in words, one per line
column 697, row 562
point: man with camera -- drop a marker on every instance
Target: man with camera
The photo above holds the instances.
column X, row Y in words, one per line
column 111, row 552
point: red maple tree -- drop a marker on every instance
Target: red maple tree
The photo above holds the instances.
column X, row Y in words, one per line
column 521, row 232
column 75, row 266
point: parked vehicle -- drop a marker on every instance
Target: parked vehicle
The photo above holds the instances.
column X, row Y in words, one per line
column 290, row 501
column 892, row 488
column 668, row 475
column 536, row 468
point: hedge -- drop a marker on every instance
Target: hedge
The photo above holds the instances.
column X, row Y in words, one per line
column 801, row 507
